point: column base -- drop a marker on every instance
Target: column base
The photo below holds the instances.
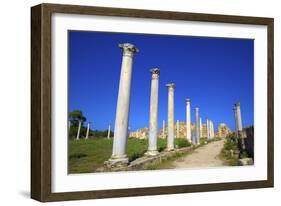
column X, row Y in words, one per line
column 151, row 153
column 120, row 161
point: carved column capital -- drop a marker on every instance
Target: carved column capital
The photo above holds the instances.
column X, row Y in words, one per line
column 237, row 104
column 155, row 73
column 170, row 85
column 128, row 49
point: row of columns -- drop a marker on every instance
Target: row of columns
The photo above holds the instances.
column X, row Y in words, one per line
column 198, row 126
column 88, row 130
column 122, row 112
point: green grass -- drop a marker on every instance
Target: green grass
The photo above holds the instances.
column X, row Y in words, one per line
column 88, row 155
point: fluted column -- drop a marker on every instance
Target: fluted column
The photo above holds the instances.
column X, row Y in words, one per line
column 197, row 130
column 153, row 117
column 88, row 129
column 123, row 106
column 188, row 120
column 170, row 138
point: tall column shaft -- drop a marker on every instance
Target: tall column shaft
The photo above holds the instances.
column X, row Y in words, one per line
column 208, row 129
column 236, row 121
column 188, row 120
column 239, row 118
column 88, row 129
column 213, row 130
column 200, row 125
column 153, row 117
column 239, row 125
column 123, row 105
column 197, row 134
column 78, row 131
column 171, row 122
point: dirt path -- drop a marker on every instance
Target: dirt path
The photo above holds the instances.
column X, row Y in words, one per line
column 205, row 156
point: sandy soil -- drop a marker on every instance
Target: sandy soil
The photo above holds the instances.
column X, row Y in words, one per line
column 205, row 156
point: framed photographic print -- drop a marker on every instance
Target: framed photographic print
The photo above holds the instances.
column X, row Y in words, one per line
column 132, row 102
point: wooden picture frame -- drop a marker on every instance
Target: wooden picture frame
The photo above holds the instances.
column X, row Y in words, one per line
column 41, row 97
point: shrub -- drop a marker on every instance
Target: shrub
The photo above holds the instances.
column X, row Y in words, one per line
column 230, row 145
column 161, row 144
column 181, row 142
column 135, row 156
column 203, row 140
column 229, row 152
column 244, row 155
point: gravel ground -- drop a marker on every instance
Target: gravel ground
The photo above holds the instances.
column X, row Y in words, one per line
column 205, row 156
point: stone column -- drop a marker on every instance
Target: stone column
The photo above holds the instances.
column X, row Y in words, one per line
column 170, row 138
column 88, row 129
column 178, row 129
column 78, row 131
column 123, row 104
column 153, row 117
column 208, row 129
column 212, row 130
column 239, row 118
column 200, row 124
column 197, row 126
column 188, row 120
column 108, row 132
column 235, row 119
column 239, row 125
column 163, row 130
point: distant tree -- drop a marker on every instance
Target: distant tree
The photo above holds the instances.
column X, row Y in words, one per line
column 75, row 116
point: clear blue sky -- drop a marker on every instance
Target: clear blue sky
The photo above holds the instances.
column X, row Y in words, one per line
column 213, row 72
